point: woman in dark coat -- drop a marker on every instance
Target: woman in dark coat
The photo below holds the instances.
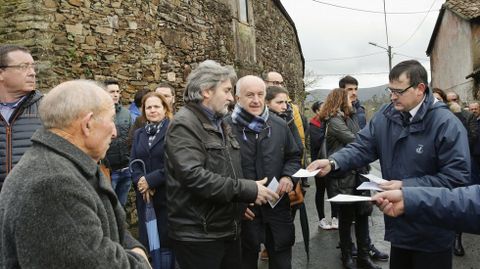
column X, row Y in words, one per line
column 148, row 146
column 277, row 102
column 341, row 128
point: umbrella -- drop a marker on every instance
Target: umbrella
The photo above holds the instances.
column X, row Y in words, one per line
column 305, row 228
column 151, row 224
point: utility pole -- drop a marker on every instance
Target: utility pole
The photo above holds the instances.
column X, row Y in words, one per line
column 389, row 53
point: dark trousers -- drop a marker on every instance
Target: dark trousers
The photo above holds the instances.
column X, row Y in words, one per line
column 321, row 186
column 220, row 254
column 401, row 258
column 276, row 259
column 347, row 213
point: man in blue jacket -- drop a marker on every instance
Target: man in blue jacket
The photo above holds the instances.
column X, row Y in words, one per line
column 419, row 143
column 457, row 209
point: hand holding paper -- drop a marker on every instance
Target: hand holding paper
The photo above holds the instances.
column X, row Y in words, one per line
column 273, row 186
column 264, row 194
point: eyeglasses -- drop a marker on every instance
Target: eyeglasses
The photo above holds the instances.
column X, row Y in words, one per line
column 276, row 83
column 398, row 92
column 22, row 67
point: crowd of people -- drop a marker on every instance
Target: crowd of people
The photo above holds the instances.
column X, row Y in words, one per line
column 207, row 170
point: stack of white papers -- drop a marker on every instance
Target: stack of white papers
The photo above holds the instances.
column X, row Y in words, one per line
column 345, row 198
column 373, row 184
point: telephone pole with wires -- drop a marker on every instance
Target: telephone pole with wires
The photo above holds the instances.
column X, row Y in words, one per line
column 389, row 53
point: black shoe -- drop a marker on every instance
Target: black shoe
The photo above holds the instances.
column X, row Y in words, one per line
column 347, row 261
column 366, row 263
column 457, row 246
column 377, row 255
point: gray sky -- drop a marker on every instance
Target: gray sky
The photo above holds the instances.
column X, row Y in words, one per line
column 327, row 32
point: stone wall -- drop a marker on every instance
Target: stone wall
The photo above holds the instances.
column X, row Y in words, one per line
column 143, row 42
column 277, row 47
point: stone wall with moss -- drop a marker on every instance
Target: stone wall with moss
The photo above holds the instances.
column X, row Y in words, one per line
column 142, row 42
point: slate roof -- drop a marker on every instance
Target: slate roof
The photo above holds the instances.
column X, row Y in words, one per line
column 467, row 9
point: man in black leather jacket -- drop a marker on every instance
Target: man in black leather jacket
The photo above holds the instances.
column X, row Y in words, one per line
column 206, row 194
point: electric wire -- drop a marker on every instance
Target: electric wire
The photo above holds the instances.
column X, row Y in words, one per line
column 372, row 11
column 418, row 27
column 344, row 58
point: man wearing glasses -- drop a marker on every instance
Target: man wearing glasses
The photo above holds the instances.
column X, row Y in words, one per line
column 18, row 105
column 420, row 144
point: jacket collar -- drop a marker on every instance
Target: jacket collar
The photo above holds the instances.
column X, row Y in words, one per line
column 205, row 121
column 85, row 163
column 417, row 123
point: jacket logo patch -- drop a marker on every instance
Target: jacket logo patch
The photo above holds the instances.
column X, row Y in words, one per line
column 419, row 149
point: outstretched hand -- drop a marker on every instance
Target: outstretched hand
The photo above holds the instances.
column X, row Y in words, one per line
column 390, row 202
column 323, row 164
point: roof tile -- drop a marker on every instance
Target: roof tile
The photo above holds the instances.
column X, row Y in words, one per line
column 469, row 9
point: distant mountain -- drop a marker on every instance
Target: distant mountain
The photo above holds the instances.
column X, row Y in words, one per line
column 364, row 94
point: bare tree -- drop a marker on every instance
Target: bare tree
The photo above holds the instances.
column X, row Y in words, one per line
column 311, row 78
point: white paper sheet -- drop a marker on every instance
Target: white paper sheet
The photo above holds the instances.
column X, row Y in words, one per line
column 369, row 186
column 273, row 185
column 374, row 178
column 345, row 198
column 305, row 173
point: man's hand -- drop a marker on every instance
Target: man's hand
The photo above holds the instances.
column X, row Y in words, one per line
column 390, row 202
column 264, row 194
column 141, row 253
column 323, row 164
column 248, row 215
column 391, row 185
column 285, row 186
column 142, row 185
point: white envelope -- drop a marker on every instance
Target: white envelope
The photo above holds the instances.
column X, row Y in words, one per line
column 273, row 185
column 365, row 186
column 374, row 178
column 305, row 173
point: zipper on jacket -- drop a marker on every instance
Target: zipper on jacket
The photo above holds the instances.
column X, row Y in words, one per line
column 236, row 225
column 205, row 226
column 8, row 148
column 8, row 127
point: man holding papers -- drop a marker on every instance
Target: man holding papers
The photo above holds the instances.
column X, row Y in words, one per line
column 267, row 149
column 420, row 143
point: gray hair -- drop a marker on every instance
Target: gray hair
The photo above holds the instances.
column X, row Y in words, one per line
column 249, row 79
column 71, row 100
column 208, row 75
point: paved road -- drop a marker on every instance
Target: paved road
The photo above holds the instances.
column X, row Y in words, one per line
column 325, row 255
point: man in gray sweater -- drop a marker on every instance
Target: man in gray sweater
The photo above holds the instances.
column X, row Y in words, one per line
column 57, row 210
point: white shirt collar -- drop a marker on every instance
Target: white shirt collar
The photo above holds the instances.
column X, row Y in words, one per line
column 414, row 110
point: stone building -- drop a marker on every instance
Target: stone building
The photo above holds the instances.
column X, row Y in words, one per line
column 454, row 48
column 143, row 42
